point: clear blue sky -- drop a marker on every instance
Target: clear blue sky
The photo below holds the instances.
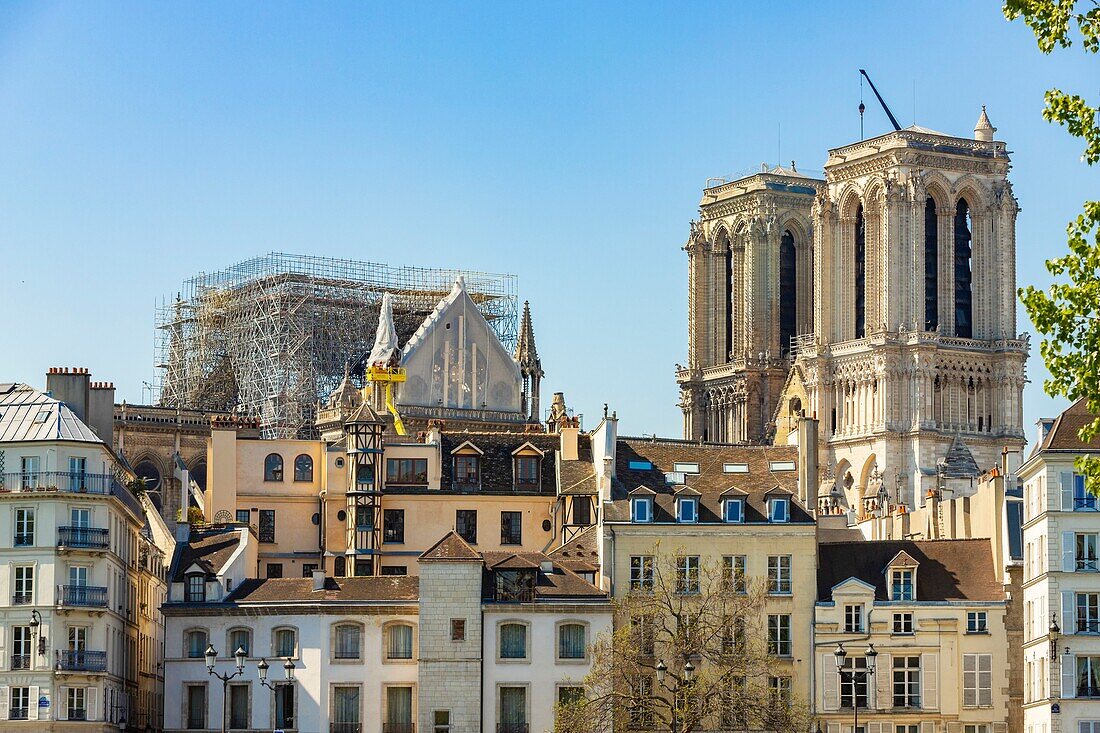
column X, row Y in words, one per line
column 566, row 143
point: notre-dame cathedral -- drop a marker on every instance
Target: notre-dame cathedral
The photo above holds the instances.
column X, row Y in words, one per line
column 879, row 300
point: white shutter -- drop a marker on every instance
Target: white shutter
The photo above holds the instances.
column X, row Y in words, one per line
column 4, row 697
column 32, row 703
column 832, row 728
column 930, row 697
column 970, row 681
column 63, row 702
column 1068, row 547
column 829, row 692
column 1069, row 675
column 1067, row 490
column 1069, row 608
column 90, row 703
column 927, row 726
column 985, row 680
column 884, row 695
column 953, row 726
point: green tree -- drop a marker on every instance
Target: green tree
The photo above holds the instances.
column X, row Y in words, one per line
column 1068, row 313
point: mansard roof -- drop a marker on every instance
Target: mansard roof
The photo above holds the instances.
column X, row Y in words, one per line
column 336, row 590
column 579, row 554
column 1062, row 436
column 947, row 570
column 496, row 464
column 29, row 415
column 712, row 481
column 209, row 548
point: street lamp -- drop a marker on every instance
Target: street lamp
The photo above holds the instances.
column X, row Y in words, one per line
column 687, row 676
column 288, row 670
column 211, row 658
column 855, row 676
column 36, row 623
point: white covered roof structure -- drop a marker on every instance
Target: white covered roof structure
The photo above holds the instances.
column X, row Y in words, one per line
column 29, row 415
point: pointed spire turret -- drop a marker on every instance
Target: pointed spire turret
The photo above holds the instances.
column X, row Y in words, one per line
column 984, row 129
column 527, row 357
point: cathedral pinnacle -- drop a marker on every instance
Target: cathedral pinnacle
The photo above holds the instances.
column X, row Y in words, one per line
column 527, row 356
column 984, row 129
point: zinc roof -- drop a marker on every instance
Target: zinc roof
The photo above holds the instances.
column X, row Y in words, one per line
column 29, row 415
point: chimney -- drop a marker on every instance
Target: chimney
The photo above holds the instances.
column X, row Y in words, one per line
column 318, row 580
column 435, row 432
column 71, row 385
column 570, row 438
column 101, row 410
column 807, row 462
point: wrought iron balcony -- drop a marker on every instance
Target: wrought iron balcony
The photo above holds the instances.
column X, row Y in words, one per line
column 69, row 660
column 23, row 539
column 75, row 482
column 85, row 538
column 1084, row 504
column 20, row 661
column 22, row 599
column 84, row 596
column 1088, row 626
column 77, row 714
column 399, row 728
column 17, row 714
column 345, row 727
column 513, row 728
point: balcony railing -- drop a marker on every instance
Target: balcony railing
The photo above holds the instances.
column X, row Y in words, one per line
column 399, row 728
column 22, row 599
column 1084, row 504
column 91, row 538
column 76, row 482
column 77, row 714
column 1088, row 691
column 20, row 661
column 17, row 714
column 87, row 596
column 81, row 661
column 345, row 727
column 1087, row 564
column 513, row 728
column 23, row 539
column 1088, row 626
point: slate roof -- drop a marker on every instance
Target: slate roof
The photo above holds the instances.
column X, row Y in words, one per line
column 711, row 481
column 948, row 570
column 579, row 554
column 560, row 584
column 336, row 590
column 1063, row 434
column 210, row 548
column 959, row 461
column 27, row 414
column 579, row 477
column 452, row 548
column 496, row 459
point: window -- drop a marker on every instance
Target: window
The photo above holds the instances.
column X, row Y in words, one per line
column 644, row 632
column 77, row 709
column 641, row 703
column 195, row 588
column 860, row 276
column 24, row 585
column 976, row 728
column 687, row 574
column 733, row 636
column 582, row 511
column 572, row 642
column 901, row 585
column 1088, row 613
column 30, row 475
column 441, row 721
column 195, row 696
column 931, row 267
column 21, row 647
column 511, row 528
column 733, row 570
column 364, row 518
column 779, row 690
column 779, row 574
column 641, row 572
column 976, row 622
column 1082, row 499
column 393, row 525
column 458, row 629
column 348, row 639
column 267, row 525
column 977, row 680
column 274, row 570
column 639, row 465
column 735, row 468
column 194, row 643
column 273, row 467
column 308, row 568
column 685, row 467
column 345, row 709
column 1088, row 676
column 779, row 510
column 24, row 527
column 513, row 710
column 513, row 641
column 569, row 694
column 964, row 327
column 782, row 466
column 407, row 471
column 393, row 570
column 467, row 471
column 244, row 516
column 903, row 623
column 20, row 703
column 734, row 510
column 399, row 641
column 779, row 634
column 466, row 524
column 641, row 510
column 303, row 468
column 527, row 472
column 687, row 510
column 399, row 709
column 1086, row 553
column 284, row 707
column 731, row 701
column 238, row 707
column 285, row 643
column 906, row 682
column 854, row 687
column 853, row 619
column 514, row 586
column 913, row 728
column 239, row 639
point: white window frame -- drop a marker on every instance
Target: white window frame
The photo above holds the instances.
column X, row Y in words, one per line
column 779, row 575
column 729, row 504
column 687, row 510
column 641, row 503
column 853, row 618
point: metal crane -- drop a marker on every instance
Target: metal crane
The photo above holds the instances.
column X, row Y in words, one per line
column 880, row 101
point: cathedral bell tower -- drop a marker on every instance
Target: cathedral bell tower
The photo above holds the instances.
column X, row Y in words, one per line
column 914, row 341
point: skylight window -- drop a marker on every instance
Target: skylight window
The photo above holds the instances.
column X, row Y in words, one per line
column 735, row 468
column 640, row 466
column 42, row 417
column 782, row 465
column 685, row 467
column 674, row 478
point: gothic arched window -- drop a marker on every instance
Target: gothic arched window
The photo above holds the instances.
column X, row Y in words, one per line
column 727, row 255
column 860, row 272
column 964, row 326
column 931, row 266
column 788, row 292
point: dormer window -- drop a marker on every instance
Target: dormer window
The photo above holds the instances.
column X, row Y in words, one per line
column 687, row 509
column 641, row 509
column 901, row 584
column 733, row 510
column 779, row 509
column 468, row 471
column 195, row 588
column 527, row 472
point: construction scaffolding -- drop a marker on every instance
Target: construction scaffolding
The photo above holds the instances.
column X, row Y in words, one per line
column 270, row 337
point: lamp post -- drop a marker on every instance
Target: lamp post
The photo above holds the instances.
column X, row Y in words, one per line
column 211, row 659
column 36, row 624
column 688, row 675
column 855, row 676
column 288, row 670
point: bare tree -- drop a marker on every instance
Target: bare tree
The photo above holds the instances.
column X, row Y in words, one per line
column 691, row 651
